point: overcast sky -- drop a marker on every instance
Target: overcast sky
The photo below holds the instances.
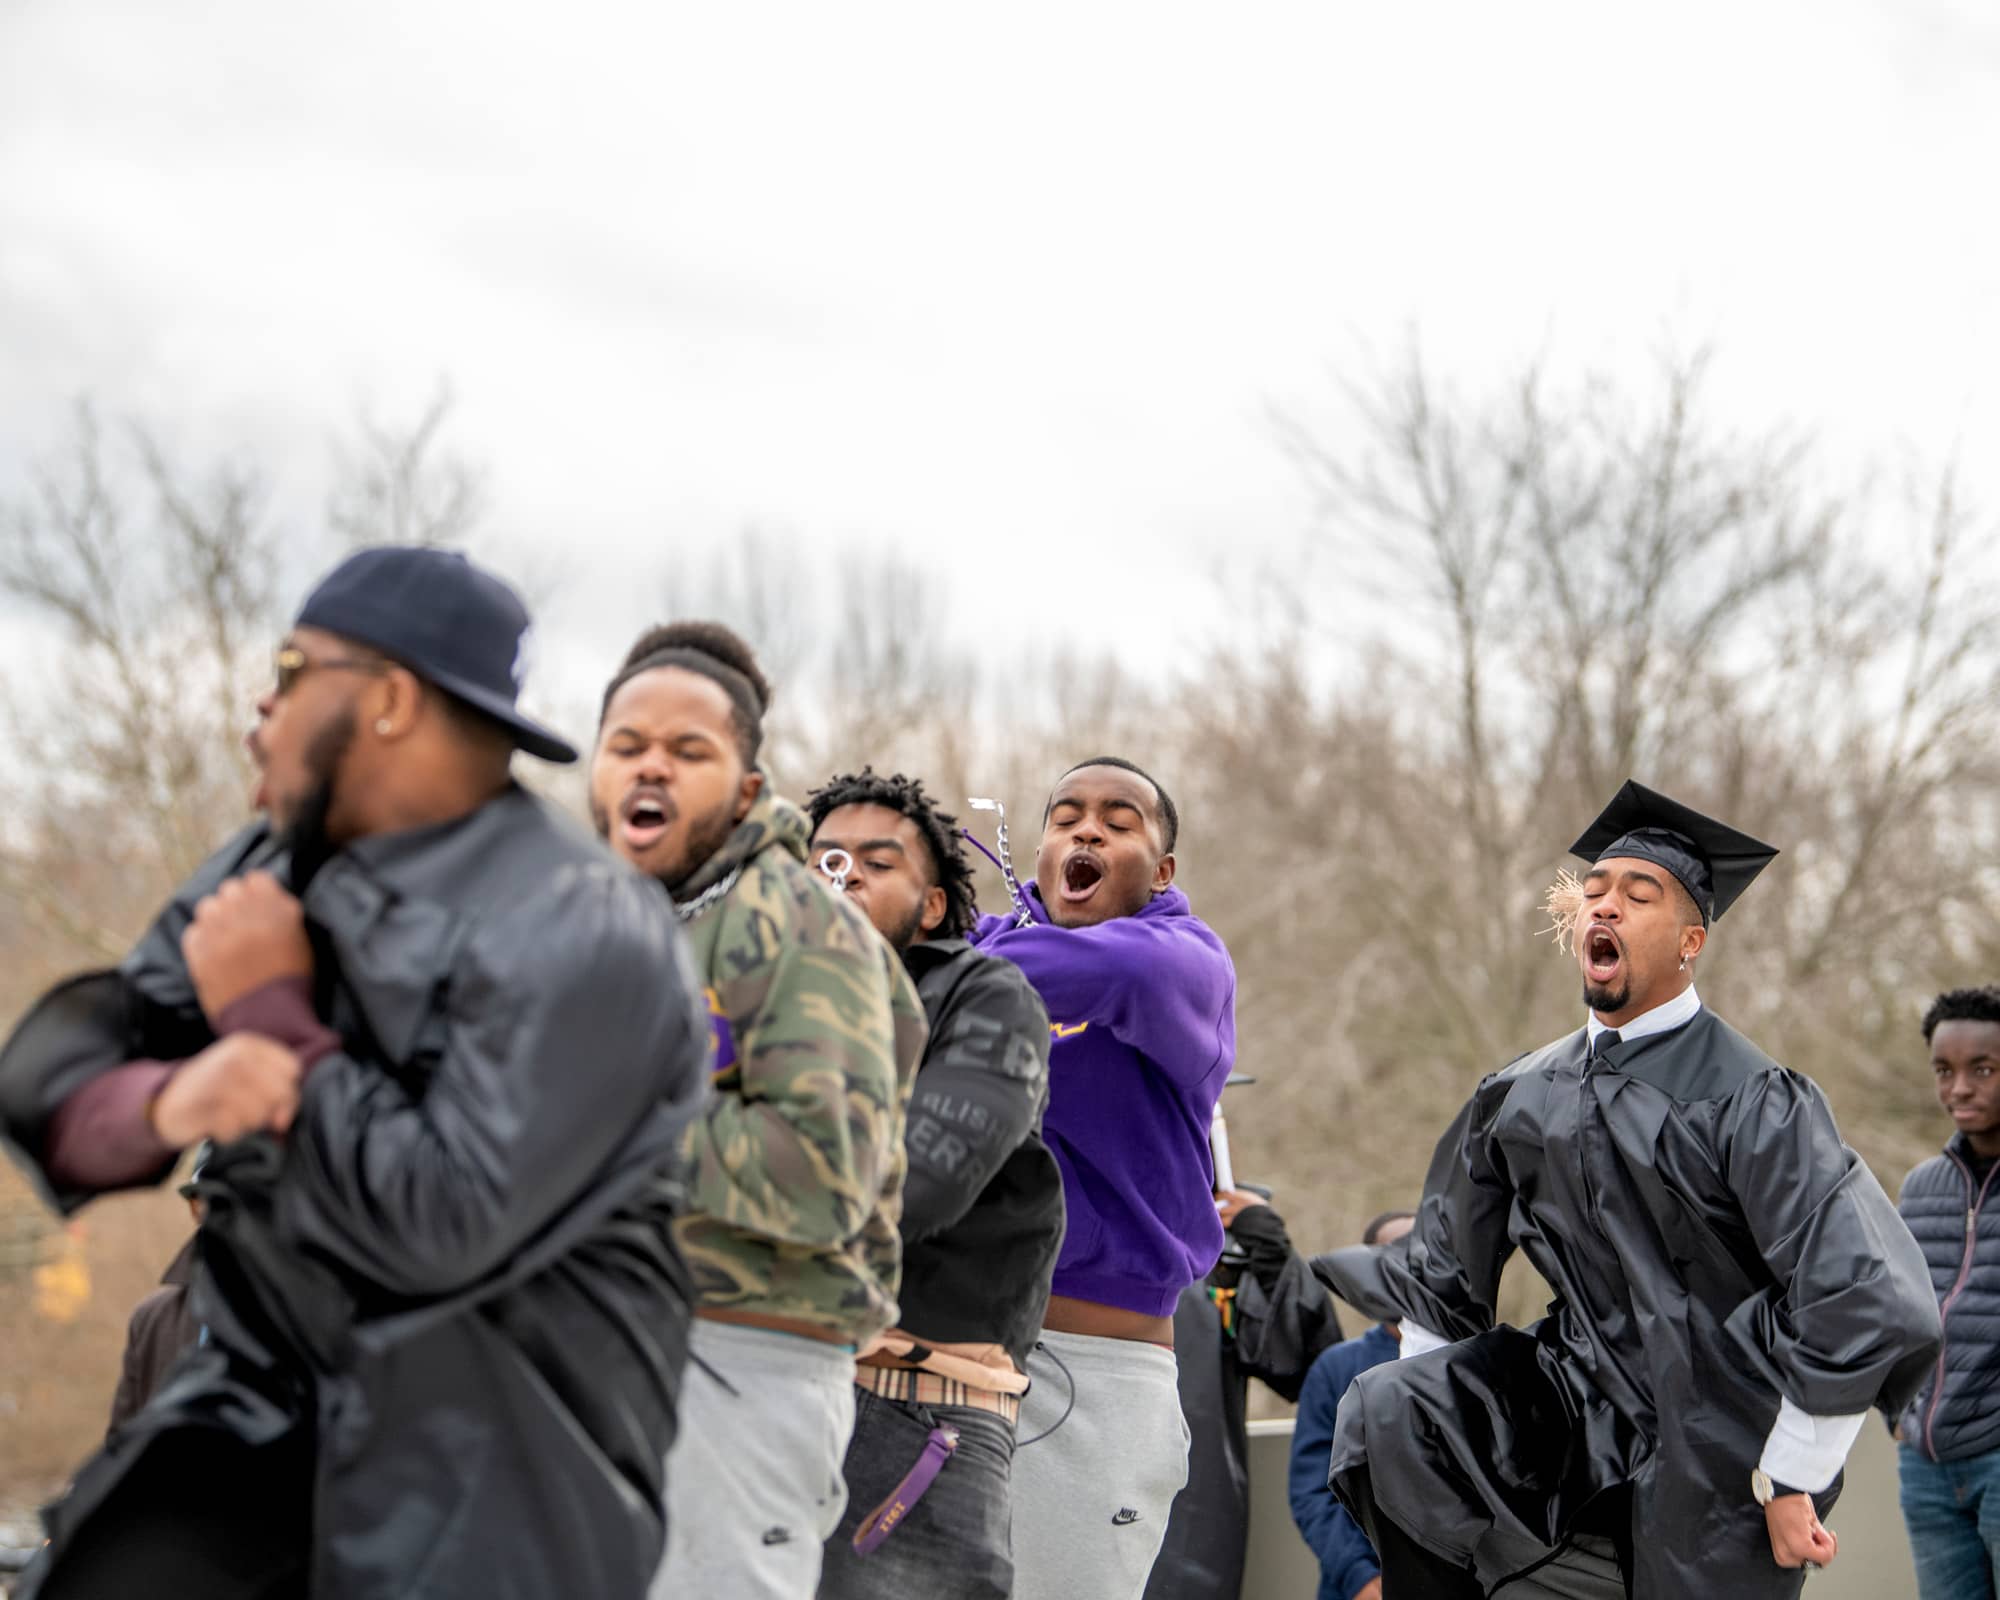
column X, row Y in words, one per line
column 1008, row 289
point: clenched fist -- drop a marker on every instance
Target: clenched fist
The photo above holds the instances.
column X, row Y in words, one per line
column 1798, row 1538
column 239, row 1085
column 245, row 935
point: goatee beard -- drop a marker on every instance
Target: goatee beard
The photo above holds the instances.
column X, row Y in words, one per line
column 1601, row 1000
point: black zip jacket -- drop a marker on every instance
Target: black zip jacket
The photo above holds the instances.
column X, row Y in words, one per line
column 983, row 1204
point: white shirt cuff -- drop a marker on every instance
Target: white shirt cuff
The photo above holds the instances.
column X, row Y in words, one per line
column 1803, row 1452
column 1417, row 1340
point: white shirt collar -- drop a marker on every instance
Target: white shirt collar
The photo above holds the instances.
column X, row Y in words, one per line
column 1661, row 1019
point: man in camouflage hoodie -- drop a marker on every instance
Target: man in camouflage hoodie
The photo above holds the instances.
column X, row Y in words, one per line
column 796, row 1168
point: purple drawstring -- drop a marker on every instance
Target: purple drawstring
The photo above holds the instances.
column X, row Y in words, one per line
column 885, row 1518
column 974, row 840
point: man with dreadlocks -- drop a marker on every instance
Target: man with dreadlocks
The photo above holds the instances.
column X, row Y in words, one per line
column 928, row 1499
column 1734, row 1291
column 1141, row 998
column 796, row 1163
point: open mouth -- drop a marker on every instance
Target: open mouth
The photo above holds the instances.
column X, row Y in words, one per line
column 644, row 818
column 1081, row 874
column 1602, row 954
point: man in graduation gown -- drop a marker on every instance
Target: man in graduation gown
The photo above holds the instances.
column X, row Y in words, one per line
column 1733, row 1289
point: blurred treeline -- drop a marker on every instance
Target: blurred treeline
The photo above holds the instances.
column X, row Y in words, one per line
column 1506, row 603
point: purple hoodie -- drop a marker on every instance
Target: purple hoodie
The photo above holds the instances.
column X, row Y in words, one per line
column 1142, row 1016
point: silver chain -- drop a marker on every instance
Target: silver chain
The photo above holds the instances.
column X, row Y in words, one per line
column 688, row 910
column 1023, row 918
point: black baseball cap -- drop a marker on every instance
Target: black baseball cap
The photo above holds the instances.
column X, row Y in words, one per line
column 454, row 625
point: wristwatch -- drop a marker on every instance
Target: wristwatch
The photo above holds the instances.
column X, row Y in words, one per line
column 1764, row 1491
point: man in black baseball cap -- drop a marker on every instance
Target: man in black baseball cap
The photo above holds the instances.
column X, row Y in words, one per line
column 437, row 1038
column 394, row 699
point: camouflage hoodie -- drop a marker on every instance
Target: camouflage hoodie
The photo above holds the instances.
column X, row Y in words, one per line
column 815, row 1035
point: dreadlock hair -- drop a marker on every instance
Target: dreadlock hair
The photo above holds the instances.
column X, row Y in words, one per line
column 939, row 830
column 1373, row 1232
column 1962, row 1005
column 718, row 654
column 1170, row 818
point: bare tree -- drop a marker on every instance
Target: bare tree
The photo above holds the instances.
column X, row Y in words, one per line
column 402, row 485
column 159, row 590
column 158, row 586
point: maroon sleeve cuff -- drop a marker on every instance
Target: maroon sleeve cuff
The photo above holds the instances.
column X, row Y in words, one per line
column 100, row 1137
column 282, row 1010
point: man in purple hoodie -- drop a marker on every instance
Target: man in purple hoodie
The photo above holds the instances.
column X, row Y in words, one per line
column 1141, row 999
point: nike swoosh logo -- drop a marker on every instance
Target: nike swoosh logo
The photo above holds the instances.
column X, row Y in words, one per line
column 1125, row 1517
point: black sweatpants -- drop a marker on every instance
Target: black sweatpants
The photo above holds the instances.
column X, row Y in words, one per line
column 957, row 1541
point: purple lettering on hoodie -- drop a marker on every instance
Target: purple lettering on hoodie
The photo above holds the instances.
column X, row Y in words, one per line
column 1142, row 1014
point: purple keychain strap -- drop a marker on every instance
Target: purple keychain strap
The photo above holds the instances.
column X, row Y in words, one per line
column 886, row 1517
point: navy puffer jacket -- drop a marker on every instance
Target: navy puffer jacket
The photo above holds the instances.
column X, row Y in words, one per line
column 1956, row 1218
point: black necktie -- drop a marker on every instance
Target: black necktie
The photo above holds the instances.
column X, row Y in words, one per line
column 1602, row 1044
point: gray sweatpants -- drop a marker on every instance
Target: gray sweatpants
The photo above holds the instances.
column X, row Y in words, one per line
column 754, row 1485
column 1091, row 1499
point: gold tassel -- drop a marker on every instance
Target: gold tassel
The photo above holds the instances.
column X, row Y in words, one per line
column 1565, row 908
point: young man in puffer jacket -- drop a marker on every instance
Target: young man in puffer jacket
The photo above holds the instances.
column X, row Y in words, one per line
column 1950, row 1457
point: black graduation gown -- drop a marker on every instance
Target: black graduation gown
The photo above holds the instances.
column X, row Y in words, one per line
column 1713, row 1246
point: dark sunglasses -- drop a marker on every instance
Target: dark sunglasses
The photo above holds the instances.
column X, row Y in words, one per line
column 292, row 664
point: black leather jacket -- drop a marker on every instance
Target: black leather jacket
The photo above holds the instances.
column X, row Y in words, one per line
column 454, row 1277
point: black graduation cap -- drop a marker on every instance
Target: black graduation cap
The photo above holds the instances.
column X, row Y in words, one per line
column 1713, row 862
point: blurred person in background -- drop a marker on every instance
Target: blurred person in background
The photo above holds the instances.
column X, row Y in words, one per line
column 1141, row 998
column 446, row 1049
column 1348, row 1569
column 1950, row 1435
column 1733, row 1290
column 929, row 1468
column 1260, row 1314
column 796, row 1163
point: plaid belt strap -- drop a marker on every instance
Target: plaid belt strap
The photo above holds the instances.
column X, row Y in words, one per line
column 928, row 1389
